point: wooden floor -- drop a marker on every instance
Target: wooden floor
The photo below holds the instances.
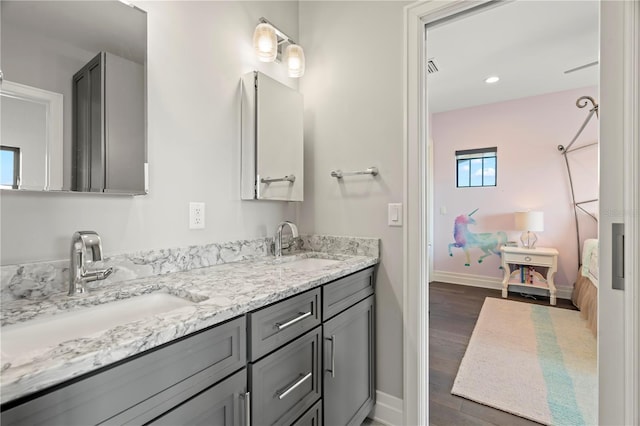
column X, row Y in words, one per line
column 453, row 311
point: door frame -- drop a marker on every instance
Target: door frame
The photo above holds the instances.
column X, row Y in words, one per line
column 631, row 149
column 418, row 208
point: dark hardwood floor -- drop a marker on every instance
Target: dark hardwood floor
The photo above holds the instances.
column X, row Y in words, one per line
column 453, row 311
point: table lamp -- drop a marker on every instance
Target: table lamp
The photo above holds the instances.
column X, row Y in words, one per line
column 529, row 222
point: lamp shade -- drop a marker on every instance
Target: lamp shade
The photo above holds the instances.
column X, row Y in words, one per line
column 529, row 221
column 295, row 60
column 265, row 42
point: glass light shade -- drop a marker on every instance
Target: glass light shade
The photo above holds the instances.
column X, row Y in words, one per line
column 265, row 42
column 295, row 60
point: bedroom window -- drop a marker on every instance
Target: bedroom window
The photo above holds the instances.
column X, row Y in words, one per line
column 9, row 167
column 476, row 167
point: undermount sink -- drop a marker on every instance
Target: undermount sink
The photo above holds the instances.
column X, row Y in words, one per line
column 309, row 264
column 54, row 329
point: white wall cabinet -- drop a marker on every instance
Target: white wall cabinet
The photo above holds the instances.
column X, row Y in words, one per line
column 272, row 140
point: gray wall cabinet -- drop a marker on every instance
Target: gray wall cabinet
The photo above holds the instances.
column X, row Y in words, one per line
column 109, row 126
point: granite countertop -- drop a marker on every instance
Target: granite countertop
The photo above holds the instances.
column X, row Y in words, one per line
column 219, row 293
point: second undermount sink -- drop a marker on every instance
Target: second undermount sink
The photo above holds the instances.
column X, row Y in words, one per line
column 54, row 329
column 309, row 264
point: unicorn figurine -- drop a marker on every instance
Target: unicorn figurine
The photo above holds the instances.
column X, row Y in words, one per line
column 488, row 242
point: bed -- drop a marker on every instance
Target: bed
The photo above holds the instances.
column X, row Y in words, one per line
column 585, row 290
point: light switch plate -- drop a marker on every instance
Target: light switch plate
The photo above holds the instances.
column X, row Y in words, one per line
column 395, row 214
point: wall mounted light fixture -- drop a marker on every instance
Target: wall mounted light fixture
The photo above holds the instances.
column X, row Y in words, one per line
column 271, row 44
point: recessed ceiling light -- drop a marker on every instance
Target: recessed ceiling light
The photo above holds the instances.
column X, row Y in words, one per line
column 492, row 79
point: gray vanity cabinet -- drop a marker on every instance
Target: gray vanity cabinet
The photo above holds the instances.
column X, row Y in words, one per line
column 141, row 388
column 221, row 405
column 349, row 358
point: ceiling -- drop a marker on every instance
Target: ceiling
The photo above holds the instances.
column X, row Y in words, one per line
column 528, row 44
column 90, row 25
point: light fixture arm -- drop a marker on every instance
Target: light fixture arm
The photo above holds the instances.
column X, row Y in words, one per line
column 285, row 38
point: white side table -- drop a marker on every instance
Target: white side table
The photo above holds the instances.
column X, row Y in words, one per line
column 541, row 256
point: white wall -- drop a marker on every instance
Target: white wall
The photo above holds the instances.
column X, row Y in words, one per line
column 31, row 59
column 24, row 127
column 353, row 120
column 197, row 53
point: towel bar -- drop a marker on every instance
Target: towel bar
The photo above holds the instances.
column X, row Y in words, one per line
column 340, row 174
column 288, row 178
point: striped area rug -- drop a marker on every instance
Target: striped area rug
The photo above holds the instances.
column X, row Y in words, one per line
column 533, row 361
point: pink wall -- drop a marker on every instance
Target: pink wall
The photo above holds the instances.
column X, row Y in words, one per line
column 531, row 175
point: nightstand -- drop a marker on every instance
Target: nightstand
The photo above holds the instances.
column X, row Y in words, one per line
column 524, row 258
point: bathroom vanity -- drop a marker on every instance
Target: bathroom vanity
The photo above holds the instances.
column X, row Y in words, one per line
column 287, row 341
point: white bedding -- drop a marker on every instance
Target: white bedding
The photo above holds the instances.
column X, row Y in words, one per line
column 590, row 260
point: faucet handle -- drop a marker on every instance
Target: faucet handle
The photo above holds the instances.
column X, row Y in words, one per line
column 92, row 245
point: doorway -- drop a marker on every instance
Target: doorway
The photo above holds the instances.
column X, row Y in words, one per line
column 499, row 103
column 619, row 27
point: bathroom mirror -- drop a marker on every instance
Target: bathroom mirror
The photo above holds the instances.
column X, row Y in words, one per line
column 73, row 96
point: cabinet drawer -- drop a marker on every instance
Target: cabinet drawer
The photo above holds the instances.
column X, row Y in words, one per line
column 141, row 388
column 528, row 259
column 286, row 383
column 313, row 417
column 273, row 326
column 344, row 292
column 220, row 405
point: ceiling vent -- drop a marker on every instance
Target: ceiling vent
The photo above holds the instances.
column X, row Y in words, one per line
column 432, row 68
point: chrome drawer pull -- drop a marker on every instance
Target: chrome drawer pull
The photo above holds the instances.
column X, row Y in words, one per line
column 286, row 392
column 247, row 407
column 333, row 355
column 527, row 258
column 300, row 317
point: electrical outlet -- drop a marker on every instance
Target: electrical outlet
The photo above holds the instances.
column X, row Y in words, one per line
column 196, row 215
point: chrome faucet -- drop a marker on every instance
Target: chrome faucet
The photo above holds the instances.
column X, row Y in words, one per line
column 278, row 238
column 86, row 248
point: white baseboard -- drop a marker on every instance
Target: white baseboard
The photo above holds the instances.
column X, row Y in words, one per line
column 388, row 409
column 493, row 283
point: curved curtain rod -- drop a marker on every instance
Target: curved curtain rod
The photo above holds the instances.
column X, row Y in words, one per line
column 593, row 110
column 580, row 103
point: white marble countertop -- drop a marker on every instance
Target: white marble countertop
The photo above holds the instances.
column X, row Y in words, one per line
column 221, row 292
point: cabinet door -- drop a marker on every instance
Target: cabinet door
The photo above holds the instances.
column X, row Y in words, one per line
column 88, row 135
column 349, row 365
column 220, row 405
